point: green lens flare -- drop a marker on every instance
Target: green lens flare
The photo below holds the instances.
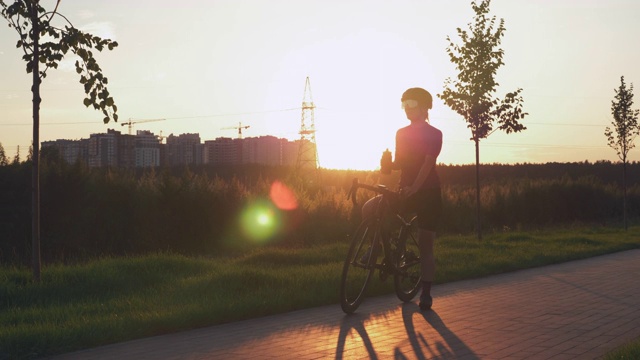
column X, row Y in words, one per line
column 260, row 221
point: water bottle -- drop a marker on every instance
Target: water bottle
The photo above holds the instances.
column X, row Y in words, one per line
column 386, row 162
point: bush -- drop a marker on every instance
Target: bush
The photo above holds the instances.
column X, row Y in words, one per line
column 87, row 213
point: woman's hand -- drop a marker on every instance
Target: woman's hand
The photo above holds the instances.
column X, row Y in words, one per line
column 406, row 192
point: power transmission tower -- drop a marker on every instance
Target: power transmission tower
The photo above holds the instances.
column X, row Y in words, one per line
column 307, row 150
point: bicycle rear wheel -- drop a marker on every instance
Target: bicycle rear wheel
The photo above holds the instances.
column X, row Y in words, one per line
column 408, row 270
column 358, row 266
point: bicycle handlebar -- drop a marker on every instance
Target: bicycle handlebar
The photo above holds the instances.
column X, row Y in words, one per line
column 379, row 188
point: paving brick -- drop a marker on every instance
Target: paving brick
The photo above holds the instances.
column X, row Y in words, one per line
column 580, row 309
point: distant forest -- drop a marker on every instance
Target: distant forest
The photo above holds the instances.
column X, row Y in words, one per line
column 195, row 210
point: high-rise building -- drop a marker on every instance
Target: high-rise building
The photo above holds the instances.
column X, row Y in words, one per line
column 222, row 151
column 126, row 153
column 184, row 149
column 103, row 150
column 290, row 152
column 147, row 149
column 71, row 151
column 266, row 150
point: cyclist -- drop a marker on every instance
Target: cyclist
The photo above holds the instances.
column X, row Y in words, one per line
column 417, row 148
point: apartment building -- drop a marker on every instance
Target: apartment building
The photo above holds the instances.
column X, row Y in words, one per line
column 145, row 150
column 183, row 149
column 265, row 150
column 71, row 151
column 103, row 150
column 222, row 151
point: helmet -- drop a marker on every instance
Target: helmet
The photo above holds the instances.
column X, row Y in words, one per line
column 422, row 96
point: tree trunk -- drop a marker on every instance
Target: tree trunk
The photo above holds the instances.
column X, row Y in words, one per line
column 478, row 226
column 624, row 194
column 35, row 173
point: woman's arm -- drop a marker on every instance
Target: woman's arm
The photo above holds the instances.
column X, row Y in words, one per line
column 428, row 164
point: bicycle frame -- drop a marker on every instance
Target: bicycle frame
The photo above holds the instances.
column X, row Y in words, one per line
column 382, row 215
column 400, row 258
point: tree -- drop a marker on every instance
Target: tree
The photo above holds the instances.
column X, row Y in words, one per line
column 625, row 124
column 30, row 153
column 3, row 156
column 16, row 158
column 44, row 43
column 472, row 94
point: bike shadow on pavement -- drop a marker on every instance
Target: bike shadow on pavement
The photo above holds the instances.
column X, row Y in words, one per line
column 445, row 346
column 354, row 322
column 427, row 334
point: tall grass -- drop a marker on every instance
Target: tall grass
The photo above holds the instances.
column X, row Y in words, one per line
column 116, row 299
column 88, row 213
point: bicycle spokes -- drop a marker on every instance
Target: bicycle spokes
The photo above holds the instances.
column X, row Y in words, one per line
column 408, row 275
column 358, row 267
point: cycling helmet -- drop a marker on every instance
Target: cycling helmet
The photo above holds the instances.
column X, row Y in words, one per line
column 422, row 96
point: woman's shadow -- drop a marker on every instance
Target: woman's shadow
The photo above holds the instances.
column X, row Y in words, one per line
column 448, row 346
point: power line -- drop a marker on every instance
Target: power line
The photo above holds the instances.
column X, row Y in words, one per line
column 525, row 123
column 563, row 124
column 233, row 114
column 521, row 145
column 166, row 118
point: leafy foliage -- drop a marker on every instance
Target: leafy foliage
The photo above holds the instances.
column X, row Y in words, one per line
column 477, row 61
column 625, row 121
column 472, row 94
column 3, row 156
column 45, row 43
column 54, row 42
column 93, row 212
column 626, row 126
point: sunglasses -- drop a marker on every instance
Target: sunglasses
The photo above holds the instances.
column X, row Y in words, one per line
column 409, row 103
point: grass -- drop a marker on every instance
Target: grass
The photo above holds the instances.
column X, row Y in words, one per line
column 118, row 299
column 628, row 351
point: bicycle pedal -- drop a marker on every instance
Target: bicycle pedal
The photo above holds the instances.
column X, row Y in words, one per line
column 383, row 276
column 386, row 270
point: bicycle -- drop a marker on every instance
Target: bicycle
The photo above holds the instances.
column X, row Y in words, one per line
column 387, row 230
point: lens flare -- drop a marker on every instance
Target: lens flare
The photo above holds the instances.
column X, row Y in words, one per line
column 264, row 219
column 282, row 196
column 260, row 221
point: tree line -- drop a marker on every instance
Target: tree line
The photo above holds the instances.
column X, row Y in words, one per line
column 88, row 212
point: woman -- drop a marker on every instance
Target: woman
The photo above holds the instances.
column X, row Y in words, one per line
column 417, row 148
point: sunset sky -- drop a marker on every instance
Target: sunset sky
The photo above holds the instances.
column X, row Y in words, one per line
column 204, row 65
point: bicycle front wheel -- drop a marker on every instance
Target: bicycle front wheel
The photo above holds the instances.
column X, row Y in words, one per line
column 358, row 266
column 408, row 270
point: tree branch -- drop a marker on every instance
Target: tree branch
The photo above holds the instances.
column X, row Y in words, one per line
column 53, row 13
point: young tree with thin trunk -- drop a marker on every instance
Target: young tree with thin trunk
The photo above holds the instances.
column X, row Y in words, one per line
column 625, row 125
column 44, row 45
column 3, row 156
column 471, row 95
column 16, row 157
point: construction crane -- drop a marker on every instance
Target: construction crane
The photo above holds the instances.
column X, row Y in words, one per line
column 239, row 128
column 138, row 121
column 160, row 137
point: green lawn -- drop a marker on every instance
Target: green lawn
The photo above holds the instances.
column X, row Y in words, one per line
column 630, row 351
column 118, row 299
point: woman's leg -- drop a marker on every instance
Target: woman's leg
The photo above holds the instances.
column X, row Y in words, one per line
column 426, row 239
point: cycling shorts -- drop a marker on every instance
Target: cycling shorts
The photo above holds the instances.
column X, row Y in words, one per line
column 427, row 205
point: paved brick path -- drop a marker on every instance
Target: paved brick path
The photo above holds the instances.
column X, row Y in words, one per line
column 576, row 310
